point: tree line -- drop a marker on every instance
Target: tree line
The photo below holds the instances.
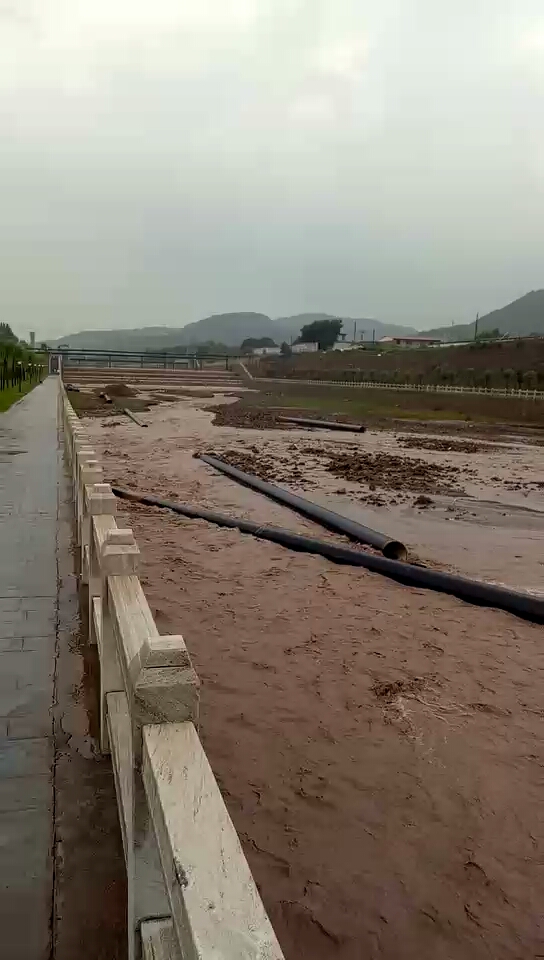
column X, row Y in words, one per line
column 18, row 364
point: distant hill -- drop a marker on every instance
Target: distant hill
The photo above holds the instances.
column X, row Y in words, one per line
column 227, row 328
column 453, row 334
column 230, row 329
column 146, row 338
column 522, row 317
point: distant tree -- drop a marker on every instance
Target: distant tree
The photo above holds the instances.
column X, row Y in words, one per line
column 323, row 332
column 6, row 334
column 509, row 377
column 286, row 350
column 489, row 334
column 530, row 380
column 251, row 343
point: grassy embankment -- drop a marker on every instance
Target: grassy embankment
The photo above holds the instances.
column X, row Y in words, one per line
column 511, row 364
column 20, row 370
column 11, row 395
column 381, row 405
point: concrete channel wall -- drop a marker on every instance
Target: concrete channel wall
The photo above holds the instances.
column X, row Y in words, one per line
column 191, row 895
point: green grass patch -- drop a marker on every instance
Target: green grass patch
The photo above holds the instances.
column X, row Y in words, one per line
column 357, row 408
column 10, row 396
column 380, row 405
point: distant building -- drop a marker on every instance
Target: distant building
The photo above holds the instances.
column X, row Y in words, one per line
column 412, row 341
column 266, row 351
column 32, row 338
column 343, row 344
column 305, row 347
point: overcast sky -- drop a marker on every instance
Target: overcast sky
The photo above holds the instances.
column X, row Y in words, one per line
column 162, row 160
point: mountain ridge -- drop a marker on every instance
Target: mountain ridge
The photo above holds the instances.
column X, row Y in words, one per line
column 521, row 317
column 230, row 329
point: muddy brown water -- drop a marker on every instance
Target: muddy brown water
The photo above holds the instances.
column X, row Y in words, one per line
column 378, row 747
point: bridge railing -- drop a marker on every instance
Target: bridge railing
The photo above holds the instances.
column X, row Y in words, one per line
column 191, row 894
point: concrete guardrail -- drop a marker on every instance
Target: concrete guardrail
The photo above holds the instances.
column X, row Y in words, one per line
column 191, row 894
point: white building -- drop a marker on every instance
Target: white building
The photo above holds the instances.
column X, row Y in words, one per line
column 412, row 341
column 305, row 347
column 266, row 351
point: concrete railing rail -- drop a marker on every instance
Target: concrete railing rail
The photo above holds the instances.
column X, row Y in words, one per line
column 191, row 894
column 415, row 387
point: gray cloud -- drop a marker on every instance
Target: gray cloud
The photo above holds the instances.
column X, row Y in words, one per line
column 160, row 163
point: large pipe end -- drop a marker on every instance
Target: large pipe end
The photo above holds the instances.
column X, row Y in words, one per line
column 395, row 550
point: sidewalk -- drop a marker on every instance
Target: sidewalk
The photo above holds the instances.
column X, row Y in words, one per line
column 61, row 877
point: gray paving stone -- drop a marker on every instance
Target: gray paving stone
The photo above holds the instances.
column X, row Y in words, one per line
column 25, row 871
column 25, row 793
column 28, row 625
column 26, row 758
column 12, row 643
column 57, row 798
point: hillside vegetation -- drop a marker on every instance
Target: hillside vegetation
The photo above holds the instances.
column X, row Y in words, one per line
column 513, row 364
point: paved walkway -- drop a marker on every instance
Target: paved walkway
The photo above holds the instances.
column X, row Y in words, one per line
column 61, row 879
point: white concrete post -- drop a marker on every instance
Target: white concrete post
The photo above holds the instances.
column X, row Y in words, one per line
column 99, row 502
column 79, row 443
column 88, row 471
column 161, row 686
column 118, row 557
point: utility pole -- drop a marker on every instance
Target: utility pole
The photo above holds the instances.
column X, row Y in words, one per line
column 476, row 326
column 354, row 331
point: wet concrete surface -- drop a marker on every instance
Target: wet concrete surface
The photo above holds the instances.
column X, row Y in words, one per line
column 62, row 879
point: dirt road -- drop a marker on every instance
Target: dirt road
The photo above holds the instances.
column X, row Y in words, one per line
column 379, row 748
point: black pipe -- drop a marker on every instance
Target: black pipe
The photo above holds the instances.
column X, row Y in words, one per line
column 324, row 424
column 393, row 549
column 473, row 591
column 133, row 416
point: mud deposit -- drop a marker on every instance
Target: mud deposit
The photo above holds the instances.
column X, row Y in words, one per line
column 448, row 445
column 263, row 418
column 379, row 748
column 239, row 415
column 375, row 471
